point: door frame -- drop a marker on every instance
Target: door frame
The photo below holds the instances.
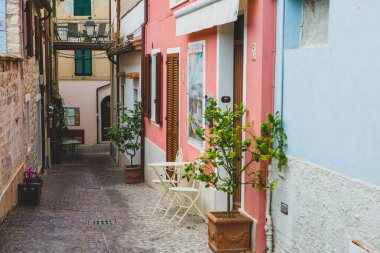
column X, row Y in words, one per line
column 101, row 117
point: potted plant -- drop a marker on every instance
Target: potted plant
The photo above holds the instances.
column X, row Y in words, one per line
column 57, row 124
column 229, row 231
column 29, row 193
column 126, row 134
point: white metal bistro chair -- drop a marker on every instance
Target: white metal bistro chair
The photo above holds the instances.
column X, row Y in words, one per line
column 186, row 194
column 166, row 177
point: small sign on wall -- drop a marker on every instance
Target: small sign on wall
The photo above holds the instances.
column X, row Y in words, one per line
column 3, row 27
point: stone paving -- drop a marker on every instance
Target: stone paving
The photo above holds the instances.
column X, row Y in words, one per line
column 80, row 192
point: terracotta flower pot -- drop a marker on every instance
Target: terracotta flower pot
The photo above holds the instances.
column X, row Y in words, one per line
column 132, row 174
column 229, row 234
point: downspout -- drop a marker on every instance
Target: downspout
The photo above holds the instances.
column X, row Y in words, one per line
column 46, row 20
column 282, row 61
column 268, row 212
column 143, row 47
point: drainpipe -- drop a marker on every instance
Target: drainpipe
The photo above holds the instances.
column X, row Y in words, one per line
column 268, row 212
column 282, row 60
column 143, row 47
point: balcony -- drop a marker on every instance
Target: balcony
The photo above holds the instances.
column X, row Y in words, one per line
column 72, row 35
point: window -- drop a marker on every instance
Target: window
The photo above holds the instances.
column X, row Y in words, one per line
column 136, row 94
column 3, row 33
column 37, row 37
column 156, row 88
column 315, row 23
column 83, row 62
column 153, row 87
column 28, row 29
column 306, row 23
column 27, row 119
column 72, row 116
column 82, row 7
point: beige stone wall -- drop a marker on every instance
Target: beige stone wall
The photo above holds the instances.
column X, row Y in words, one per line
column 11, row 131
column 99, row 10
column 18, row 83
column 31, row 90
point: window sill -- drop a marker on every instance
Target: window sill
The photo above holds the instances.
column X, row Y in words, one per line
column 9, row 57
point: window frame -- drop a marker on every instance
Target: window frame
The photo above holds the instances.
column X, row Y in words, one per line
column 83, row 63
column 76, row 113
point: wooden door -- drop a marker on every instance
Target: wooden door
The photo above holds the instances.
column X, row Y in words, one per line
column 172, row 112
column 105, row 117
column 238, row 91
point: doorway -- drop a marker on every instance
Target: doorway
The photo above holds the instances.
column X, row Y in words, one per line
column 238, row 92
column 172, row 113
column 105, row 110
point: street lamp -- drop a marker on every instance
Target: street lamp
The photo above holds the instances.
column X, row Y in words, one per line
column 90, row 27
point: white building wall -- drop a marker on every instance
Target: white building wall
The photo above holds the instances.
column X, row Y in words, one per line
column 131, row 22
column 326, row 210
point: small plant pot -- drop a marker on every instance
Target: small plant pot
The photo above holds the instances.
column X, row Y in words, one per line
column 132, row 174
column 29, row 194
column 229, row 234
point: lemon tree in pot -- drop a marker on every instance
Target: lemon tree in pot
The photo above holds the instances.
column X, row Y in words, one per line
column 126, row 133
column 229, row 231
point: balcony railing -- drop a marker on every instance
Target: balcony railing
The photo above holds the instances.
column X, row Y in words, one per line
column 74, row 31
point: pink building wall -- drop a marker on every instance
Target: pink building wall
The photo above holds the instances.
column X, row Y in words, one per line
column 259, row 81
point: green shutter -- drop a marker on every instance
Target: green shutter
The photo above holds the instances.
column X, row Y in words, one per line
column 83, row 62
column 78, row 63
column 82, row 7
column 87, row 62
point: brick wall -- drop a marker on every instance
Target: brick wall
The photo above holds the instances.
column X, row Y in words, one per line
column 31, row 89
column 11, row 132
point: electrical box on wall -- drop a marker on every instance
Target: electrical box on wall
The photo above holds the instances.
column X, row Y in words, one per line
column 253, row 51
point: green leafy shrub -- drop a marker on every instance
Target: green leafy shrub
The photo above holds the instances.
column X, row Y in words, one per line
column 217, row 166
column 126, row 133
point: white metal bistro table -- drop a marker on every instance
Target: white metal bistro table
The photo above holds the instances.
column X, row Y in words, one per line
column 167, row 174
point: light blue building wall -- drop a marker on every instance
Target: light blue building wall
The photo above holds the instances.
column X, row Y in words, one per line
column 3, row 33
column 330, row 96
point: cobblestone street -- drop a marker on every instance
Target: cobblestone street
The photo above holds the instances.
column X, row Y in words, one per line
column 78, row 193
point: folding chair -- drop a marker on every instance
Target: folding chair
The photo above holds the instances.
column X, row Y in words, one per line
column 166, row 180
column 167, row 176
column 72, row 31
column 102, row 32
column 186, row 197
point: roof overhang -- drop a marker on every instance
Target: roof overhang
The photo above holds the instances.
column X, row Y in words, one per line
column 205, row 14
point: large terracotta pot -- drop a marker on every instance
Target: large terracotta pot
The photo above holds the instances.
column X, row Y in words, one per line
column 132, row 174
column 229, row 234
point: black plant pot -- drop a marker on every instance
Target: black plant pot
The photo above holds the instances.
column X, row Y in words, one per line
column 29, row 194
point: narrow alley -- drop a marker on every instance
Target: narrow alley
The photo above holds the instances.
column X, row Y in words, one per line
column 77, row 194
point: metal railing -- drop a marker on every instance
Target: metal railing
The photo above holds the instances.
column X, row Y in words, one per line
column 74, row 31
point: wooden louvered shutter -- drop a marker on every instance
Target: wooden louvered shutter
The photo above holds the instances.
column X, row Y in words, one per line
column 158, row 100
column 29, row 28
column 37, row 37
column 172, row 110
column 147, row 101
